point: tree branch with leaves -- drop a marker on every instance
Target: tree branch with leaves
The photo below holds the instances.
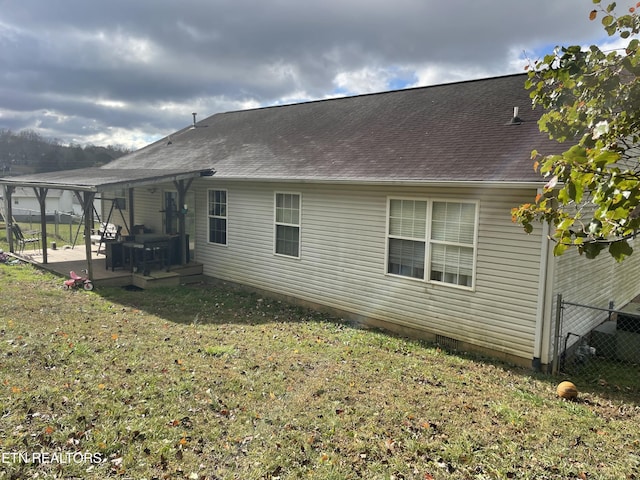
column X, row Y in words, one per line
column 591, row 100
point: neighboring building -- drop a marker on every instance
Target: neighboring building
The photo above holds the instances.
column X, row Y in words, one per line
column 391, row 208
column 25, row 203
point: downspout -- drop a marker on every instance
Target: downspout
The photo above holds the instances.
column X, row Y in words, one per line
column 543, row 277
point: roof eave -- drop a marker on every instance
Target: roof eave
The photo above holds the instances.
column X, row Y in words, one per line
column 97, row 186
column 526, row 184
column 156, row 179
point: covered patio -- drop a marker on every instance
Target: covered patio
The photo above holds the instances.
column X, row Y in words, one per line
column 86, row 185
column 63, row 260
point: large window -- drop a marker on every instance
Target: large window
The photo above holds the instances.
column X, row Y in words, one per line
column 453, row 232
column 287, row 224
column 432, row 236
column 407, row 237
column 218, row 216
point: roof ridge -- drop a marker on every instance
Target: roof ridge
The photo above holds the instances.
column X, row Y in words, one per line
column 370, row 94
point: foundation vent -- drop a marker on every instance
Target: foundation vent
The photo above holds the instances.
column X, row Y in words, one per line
column 447, row 343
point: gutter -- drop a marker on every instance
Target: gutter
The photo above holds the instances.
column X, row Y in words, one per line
column 400, row 182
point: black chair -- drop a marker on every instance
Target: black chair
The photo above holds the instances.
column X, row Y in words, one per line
column 30, row 237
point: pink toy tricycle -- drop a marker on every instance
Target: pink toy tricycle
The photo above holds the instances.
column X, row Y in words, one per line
column 76, row 281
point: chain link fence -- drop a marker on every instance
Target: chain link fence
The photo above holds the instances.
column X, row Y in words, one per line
column 598, row 343
column 65, row 225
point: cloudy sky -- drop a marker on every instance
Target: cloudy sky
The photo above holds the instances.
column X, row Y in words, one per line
column 127, row 72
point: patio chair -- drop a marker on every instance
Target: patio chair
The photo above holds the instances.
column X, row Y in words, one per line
column 106, row 232
column 30, row 237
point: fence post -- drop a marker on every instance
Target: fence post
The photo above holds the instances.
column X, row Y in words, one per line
column 611, row 304
column 556, row 341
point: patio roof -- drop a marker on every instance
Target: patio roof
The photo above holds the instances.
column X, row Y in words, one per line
column 101, row 179
column 91, row 181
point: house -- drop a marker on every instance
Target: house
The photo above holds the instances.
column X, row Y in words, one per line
column 25, row 203
column 389, row 208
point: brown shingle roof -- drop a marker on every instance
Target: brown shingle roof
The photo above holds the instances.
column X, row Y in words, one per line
column 452, row 132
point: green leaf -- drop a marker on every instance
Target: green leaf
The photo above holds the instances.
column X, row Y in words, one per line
column 592, row 250
column 590, row 99
column 620, row 249
column 576, row 153
column 566, row 223
column 575, row 191
column 564, row 195
column 559, row 249
column 606, row 157
column 611, row 29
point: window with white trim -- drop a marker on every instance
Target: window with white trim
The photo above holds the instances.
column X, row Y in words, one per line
column 407, row 237
column 432, row 240
column 218, row 216
column 453, row 233
column 287, row 224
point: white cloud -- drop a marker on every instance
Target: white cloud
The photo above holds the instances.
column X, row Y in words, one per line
column 115, row 47
column 128, row 138
column 115, row 104
column 448, row 73
column 130, row 71
column 364, row 80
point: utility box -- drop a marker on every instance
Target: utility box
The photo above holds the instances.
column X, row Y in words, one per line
column 628, row 333
column 603, row 339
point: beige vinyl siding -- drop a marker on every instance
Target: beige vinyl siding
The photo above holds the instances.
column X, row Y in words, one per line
column 147, row 206
column 342, row 260
column 594, row 282
column 118, row 216
column 626, row 278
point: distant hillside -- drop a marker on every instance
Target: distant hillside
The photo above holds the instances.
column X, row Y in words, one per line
column 29, row 152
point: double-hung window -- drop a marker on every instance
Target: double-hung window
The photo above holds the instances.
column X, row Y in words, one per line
column 218, row 216
column 432, row 240
column 407, row 237
column 287, row 224
column 453, row 233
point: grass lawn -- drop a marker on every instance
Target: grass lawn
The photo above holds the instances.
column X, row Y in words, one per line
column 200, row 382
